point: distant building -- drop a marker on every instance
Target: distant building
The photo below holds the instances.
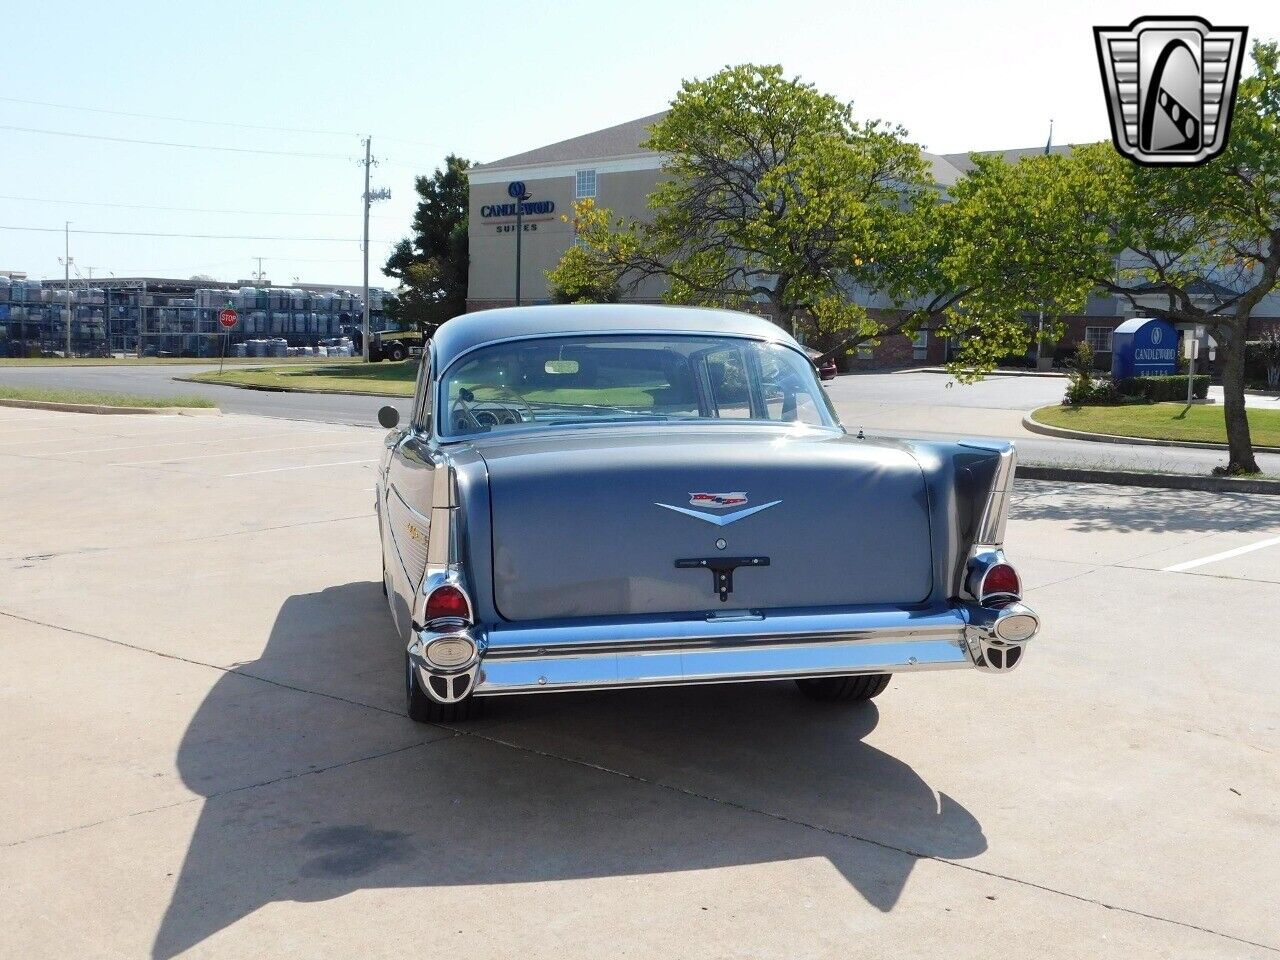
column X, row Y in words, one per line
column 611, row 166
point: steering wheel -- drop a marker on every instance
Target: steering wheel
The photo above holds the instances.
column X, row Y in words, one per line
column 466, row 416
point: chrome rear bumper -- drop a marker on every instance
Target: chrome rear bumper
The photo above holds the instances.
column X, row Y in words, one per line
column 742, row 647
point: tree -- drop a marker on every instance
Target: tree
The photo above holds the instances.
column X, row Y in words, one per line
column 432, row 265
column 774, row 195
column 1204, row 241
column 579, row 278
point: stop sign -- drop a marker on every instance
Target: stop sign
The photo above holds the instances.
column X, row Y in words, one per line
column 228, row 318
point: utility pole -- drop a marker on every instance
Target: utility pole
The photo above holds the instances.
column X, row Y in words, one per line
column 364, row 302
column 369, row 197
column 259, row 276
column 66, row 263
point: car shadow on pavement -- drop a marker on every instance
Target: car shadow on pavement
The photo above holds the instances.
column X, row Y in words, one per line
column 562, row 787
column 1089, row 508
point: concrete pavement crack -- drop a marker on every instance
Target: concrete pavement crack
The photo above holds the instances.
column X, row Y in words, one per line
column 672, row 788
column 906, row 851
column 209, row 536
column 228, row 792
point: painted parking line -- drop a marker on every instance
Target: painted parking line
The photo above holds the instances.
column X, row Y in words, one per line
column 180, row 443
column 1225, row 555
column 241, row 453
column 305, row 466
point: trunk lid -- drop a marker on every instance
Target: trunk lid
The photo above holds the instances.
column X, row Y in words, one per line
column 593, row 522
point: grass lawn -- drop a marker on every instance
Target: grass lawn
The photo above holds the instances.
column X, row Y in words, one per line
column 385, row 379
column 99, row 398
column 1162, row 421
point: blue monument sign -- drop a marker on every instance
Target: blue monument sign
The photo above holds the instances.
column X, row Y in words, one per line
column 1142, row 347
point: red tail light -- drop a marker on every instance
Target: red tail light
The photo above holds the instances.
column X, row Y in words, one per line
column 1000, row 583
column 447, row 602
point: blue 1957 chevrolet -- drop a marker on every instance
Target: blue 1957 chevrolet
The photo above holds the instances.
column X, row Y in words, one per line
column 590, row 497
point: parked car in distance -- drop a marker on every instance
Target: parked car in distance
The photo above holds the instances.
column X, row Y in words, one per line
column 606, row 496
column 824, row 364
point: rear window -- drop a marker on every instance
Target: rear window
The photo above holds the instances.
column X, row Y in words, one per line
column 600, row 379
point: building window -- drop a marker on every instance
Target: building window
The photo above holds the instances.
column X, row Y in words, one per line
column 586, row 185
column 1098, row 338
column 920, row 345
column 865, row 353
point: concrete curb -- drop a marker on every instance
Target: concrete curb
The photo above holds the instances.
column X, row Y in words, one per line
column 101, row 409
column 998, row 372
column 1035, row 426
column 319, row 393
column 1169, row 481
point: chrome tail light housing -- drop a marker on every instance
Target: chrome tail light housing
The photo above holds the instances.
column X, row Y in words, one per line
column 444, row 647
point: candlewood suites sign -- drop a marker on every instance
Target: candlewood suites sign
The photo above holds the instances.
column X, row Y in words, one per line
column 528, row 208
column 521, row 200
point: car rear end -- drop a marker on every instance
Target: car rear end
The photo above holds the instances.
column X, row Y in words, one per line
column 583, row 568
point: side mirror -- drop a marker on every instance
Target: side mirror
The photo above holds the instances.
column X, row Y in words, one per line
column 389, row 417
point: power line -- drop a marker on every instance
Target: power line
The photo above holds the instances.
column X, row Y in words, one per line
column 142, row 206
column 203, row 122
column 193, row 236
column 185, row 146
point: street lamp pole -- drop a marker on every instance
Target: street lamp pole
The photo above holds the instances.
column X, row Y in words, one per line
column 518, row 193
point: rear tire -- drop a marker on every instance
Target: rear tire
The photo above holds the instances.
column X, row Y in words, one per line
column 423, row 709
column 398, row 353
column 844, row 689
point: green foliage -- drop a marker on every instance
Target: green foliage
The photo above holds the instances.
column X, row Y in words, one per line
column 1262, row 360
column 99, row 398
column 776, row 197
column 1163, row 389
column 1080, row 380
column 432, row 265
column 578, row 278
column 1049, row 229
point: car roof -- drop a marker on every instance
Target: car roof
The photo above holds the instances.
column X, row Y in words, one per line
column 470, row 330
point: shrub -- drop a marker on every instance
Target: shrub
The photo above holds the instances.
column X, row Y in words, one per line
column 1100, row 393
column 1080, row 380
column 1160, row 389
column 1262, row 360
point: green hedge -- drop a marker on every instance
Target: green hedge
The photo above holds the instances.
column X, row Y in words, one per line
column 1163, row 389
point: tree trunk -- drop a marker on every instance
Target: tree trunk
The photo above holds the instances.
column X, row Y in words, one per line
column 1239, row 443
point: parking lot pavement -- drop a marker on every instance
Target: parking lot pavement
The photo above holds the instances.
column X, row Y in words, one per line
column 205, row 753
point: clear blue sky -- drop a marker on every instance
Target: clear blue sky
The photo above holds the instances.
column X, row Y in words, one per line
column 480, row 79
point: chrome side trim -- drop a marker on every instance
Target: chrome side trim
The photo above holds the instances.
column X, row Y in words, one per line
column 989, row 531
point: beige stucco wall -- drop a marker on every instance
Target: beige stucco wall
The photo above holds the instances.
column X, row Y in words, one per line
column 491, row 278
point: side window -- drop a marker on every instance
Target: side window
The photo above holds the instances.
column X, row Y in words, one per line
column 422, row 392
column 785, row 397
column 730, row 388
